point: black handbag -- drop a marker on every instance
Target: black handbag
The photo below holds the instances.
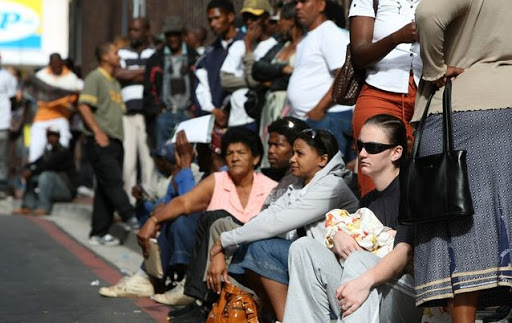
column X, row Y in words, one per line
column 435, row 187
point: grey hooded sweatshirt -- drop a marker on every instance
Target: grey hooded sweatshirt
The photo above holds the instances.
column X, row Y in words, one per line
column 300, row 206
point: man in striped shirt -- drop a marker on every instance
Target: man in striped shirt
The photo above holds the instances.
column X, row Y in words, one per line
column 131, row 77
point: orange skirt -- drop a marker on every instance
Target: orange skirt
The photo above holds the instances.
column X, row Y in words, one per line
column 373, row 101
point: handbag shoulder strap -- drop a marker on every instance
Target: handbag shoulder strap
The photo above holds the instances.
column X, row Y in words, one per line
column 447, row 116
column 447, row 120
column 419, row 129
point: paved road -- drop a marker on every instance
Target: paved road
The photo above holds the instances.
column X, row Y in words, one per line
column 45, row 276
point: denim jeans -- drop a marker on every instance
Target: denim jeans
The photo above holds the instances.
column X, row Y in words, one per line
column 340, row 125
column 165, row 124
column 52, row 188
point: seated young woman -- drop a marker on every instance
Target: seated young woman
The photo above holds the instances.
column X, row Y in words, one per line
column 363, row 287
column 318, row 163
column 240, row 190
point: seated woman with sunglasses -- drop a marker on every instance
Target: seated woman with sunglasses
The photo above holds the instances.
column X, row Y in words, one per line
column 372, row 289
column 318, row 163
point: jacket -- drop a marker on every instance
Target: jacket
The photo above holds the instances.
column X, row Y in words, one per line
column 59, row 160
column 300, row 207
column 154, row 78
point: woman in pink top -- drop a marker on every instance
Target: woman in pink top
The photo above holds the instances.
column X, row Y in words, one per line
column 240, row 190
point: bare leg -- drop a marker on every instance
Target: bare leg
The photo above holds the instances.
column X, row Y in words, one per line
column 463, row 307
column 276, row 293
column 269, row 291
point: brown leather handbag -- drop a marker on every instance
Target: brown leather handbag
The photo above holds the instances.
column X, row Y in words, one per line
column 348, row 82
column 233, row 306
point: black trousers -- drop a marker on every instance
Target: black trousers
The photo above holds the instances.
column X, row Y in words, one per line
column 109, row 196
column 194, row 285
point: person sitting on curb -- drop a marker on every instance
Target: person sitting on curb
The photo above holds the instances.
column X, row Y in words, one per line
column 51, row 178
column 176, row 237
column 242, row 151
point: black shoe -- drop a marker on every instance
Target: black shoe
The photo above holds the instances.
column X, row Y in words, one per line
column 191, row 313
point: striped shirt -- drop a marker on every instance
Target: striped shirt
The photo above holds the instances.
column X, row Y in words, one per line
column 132, row 92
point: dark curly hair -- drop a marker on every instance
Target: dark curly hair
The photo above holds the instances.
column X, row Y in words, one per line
column 288, row 127
column 245, row 136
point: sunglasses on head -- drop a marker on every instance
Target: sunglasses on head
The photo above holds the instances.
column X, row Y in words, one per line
column 373, row 147
column 311, row 133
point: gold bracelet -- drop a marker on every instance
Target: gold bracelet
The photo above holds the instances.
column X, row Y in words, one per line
column 154, row 219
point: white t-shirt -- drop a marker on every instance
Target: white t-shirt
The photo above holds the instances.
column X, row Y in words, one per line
column 234, row 64
column 392, row 72
column 7, row 91
column 319, row 54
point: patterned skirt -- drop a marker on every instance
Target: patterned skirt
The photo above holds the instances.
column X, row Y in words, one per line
column 471, row 254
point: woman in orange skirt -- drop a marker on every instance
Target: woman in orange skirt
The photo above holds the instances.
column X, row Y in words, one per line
column 383, row 41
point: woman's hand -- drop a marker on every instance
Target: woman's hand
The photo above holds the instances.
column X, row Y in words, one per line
column 216, row 249
column 451, row 72
column 147, row 232
column 406, row 34
column 352, row 294
column 344, row 244
column 218, row 269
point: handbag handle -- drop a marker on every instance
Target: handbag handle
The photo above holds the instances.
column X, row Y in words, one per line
column 447, row 120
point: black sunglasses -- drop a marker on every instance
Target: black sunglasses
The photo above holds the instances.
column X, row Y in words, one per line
column 373, row 147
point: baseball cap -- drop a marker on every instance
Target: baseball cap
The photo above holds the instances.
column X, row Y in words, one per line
column 256, row 7
column 166, row 151
column 173, row 24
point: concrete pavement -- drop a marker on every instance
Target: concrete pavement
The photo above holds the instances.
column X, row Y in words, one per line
column 51, row 274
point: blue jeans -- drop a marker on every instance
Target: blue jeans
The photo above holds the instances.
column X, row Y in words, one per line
column 176, row 241
column 339, row 124
column 166, row 122
column 267, row 258
column 52, row 188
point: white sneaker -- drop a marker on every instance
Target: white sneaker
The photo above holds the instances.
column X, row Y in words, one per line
column 105, row 240
column 129, row 286
column 175, row 296
column 85, row 191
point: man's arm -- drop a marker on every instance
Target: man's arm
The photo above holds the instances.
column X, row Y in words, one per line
column 319, row 111
column 86, row 113
column 125, row 75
